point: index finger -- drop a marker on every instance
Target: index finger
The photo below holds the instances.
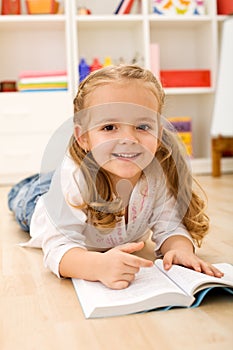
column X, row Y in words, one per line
column 136, row 261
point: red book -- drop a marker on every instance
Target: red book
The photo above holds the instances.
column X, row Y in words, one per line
column 126, row 7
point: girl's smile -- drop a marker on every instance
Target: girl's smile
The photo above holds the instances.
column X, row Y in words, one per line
column 126, row 156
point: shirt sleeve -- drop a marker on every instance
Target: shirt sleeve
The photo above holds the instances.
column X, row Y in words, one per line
column 57, row 226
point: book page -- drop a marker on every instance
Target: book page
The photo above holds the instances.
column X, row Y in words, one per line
column 149, row 282
column 191, row 281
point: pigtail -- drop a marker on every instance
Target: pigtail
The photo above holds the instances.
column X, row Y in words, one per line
column 104, row 211
column 172, row 158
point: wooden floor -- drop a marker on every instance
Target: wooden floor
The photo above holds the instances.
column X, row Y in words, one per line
column 40, row 312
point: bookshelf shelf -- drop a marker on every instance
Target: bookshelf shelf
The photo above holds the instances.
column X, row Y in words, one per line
column 179, row 19
column 188, row 91
column 221, row 18
column 31, row 18
column 109, row 18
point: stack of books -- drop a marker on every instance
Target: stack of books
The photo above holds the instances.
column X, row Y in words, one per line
column 42, row 81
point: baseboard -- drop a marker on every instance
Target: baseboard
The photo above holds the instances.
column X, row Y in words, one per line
column 10, row 179
column 203, row 166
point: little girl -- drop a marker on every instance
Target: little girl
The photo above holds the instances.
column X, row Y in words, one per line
column 124, row 176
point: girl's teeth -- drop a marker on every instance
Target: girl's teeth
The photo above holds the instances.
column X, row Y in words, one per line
column 123, row 155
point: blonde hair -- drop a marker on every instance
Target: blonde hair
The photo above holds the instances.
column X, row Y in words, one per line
column 103, row 209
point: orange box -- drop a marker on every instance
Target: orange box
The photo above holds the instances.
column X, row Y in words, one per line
column 185, row 78
column 41, row 7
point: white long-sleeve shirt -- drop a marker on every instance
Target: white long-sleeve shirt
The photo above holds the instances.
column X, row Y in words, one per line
column 58, row 226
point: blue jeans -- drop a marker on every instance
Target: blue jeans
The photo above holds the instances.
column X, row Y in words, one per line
column 23, row 197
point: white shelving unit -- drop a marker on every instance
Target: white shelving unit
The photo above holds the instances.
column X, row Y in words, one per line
column 44, row 42
column 28, row 119
column 186, row 42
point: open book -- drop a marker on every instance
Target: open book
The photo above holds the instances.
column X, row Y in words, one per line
column 153, row 288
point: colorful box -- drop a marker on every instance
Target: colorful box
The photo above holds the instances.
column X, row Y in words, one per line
column 185, row 78
column 178, row 7
column 183, row 126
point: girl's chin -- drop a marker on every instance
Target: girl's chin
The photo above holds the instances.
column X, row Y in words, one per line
column 124, row 173
column 125, row 169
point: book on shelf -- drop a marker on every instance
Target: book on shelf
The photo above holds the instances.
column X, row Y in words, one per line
column 124, row 7
column 118, row 7
column 153, row 289
column 45, row 73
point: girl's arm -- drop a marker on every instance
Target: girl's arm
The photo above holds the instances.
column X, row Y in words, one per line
column 179, row 250
column 115, row 268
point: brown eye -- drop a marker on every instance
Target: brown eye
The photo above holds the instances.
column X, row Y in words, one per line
column 109, row 127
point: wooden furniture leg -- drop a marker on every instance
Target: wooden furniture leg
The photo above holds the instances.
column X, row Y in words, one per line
column 216, row 163
column 219, row 146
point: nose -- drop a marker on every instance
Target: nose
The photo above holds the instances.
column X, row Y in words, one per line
column 128, row 135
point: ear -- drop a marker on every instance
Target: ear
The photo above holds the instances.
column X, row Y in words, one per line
column 81, row 138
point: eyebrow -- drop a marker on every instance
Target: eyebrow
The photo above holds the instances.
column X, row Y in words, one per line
column 149, row 120
column 116, row 120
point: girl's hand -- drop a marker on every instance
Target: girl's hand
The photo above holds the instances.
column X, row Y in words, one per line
column 190, row 260
column 117, row 267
